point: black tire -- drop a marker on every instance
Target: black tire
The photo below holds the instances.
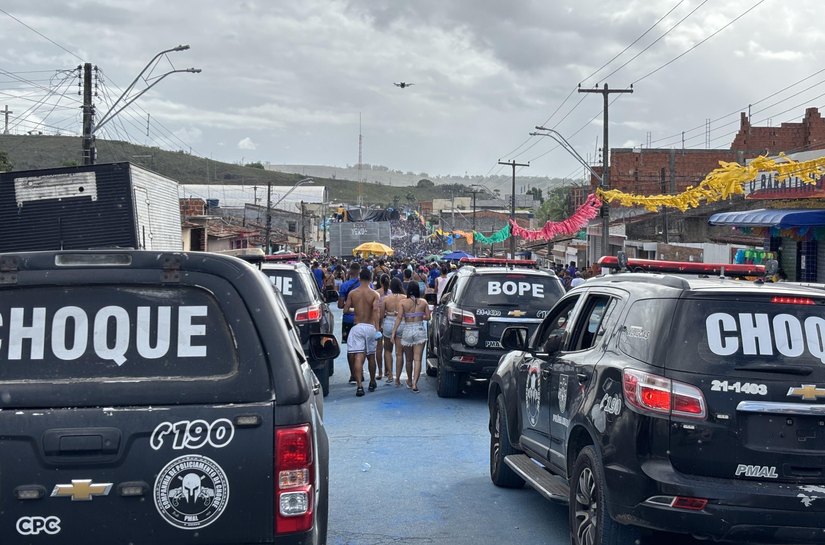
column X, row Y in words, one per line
column 323, row 377
column 448, row 382
column 590, row 524
column 500, row 447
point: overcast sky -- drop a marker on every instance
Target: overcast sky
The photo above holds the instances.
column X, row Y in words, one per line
column 285, row 81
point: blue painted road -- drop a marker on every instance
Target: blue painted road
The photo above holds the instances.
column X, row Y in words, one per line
column 413, row 468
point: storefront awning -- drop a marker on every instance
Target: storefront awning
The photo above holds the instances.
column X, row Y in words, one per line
column 778, row 217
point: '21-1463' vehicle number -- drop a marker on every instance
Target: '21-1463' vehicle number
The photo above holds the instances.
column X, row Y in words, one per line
column 739, row 387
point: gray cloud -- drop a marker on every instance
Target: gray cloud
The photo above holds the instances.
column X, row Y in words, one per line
column 292, row 77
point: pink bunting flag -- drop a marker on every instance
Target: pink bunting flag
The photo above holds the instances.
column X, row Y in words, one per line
column 552, row 229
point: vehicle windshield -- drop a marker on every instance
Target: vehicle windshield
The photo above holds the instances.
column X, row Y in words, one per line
column 512, row 289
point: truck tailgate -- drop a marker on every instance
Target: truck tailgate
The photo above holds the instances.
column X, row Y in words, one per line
column 138, row 475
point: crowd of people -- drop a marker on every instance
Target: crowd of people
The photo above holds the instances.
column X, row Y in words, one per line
column 386, row 306
column 385, row 311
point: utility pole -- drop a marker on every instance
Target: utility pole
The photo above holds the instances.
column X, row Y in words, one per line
column 475, row 192
column 6, row 111
column 88, row 117
column 268, row 216
column 513, row 201
column 303, row 230
column 605, row 183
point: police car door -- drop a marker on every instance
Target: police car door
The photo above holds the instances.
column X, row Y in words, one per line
column 534, row 377
column 573, row 369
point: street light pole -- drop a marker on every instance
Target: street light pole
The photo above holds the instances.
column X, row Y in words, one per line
column 513, row 201
column 89, row 129
column 555, row 135
column 270, row 206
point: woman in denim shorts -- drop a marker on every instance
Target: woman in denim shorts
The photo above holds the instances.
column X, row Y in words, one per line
column 413, row 311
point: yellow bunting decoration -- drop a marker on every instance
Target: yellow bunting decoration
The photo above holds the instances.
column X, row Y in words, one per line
column 727, row 180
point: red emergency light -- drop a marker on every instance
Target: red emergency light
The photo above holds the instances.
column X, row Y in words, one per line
column 683, row 267
column 497, row 262
column 288, row 258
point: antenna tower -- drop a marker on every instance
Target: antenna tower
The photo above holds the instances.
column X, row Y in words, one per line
column 360, row 178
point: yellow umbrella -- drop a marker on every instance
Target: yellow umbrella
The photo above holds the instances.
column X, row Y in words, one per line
column 375, row 248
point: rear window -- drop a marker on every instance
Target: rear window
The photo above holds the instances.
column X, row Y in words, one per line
column 524, row 291
column 113, row 332
column 715, row 335
column 290, row 284
column 646, row 327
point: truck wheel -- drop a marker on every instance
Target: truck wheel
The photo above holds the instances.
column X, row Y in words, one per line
column 500, row 473
column 323, row 377
column 589, row 521
column 448, row 382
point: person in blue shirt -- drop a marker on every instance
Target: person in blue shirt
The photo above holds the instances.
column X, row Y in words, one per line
column 348, row 319
column 434, row 273
column 318, row 273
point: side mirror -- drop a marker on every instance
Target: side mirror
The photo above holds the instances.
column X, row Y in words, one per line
column 514, row 338
column 553, row 343
column 430, row 298
column 323, row 346
column 331, row 296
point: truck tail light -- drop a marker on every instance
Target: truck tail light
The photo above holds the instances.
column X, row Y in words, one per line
column 294, row 475
column 308, row 314
column 458, row 316
column 661, row 396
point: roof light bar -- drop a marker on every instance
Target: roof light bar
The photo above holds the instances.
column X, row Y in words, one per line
column 498, row 262
column 282, row 258
column 684, row 267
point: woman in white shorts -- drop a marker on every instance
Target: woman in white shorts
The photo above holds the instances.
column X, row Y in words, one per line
column 389, row 310
column 413, row 311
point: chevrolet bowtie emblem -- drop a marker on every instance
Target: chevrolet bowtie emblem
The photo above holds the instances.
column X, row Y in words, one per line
column 516, row 313
column 808, row 392
column 81, row 490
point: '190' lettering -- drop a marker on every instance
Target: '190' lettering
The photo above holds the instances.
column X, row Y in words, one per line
column 193, row 434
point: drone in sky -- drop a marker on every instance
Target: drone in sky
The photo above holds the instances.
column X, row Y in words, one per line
column 403, row 84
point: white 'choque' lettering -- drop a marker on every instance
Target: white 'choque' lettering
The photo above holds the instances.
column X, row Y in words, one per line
column 756, row 334
column 111, row 333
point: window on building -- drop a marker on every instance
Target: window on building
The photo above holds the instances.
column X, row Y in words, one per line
column 292, row 226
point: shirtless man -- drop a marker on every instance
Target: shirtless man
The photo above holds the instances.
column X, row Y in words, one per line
column 363, row 335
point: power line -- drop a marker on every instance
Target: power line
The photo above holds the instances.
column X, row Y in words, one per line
column 654, row 42
column 738, row 110
column 700, row 42
column 41, row 34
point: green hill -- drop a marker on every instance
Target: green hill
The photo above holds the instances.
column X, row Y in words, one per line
column 30, row 152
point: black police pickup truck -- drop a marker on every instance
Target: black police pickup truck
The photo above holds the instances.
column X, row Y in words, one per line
column 155, row 398
column 670, row 403
column 482, row 298
column 309, row 311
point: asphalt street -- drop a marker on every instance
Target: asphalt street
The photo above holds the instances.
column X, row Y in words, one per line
column 413, row 468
